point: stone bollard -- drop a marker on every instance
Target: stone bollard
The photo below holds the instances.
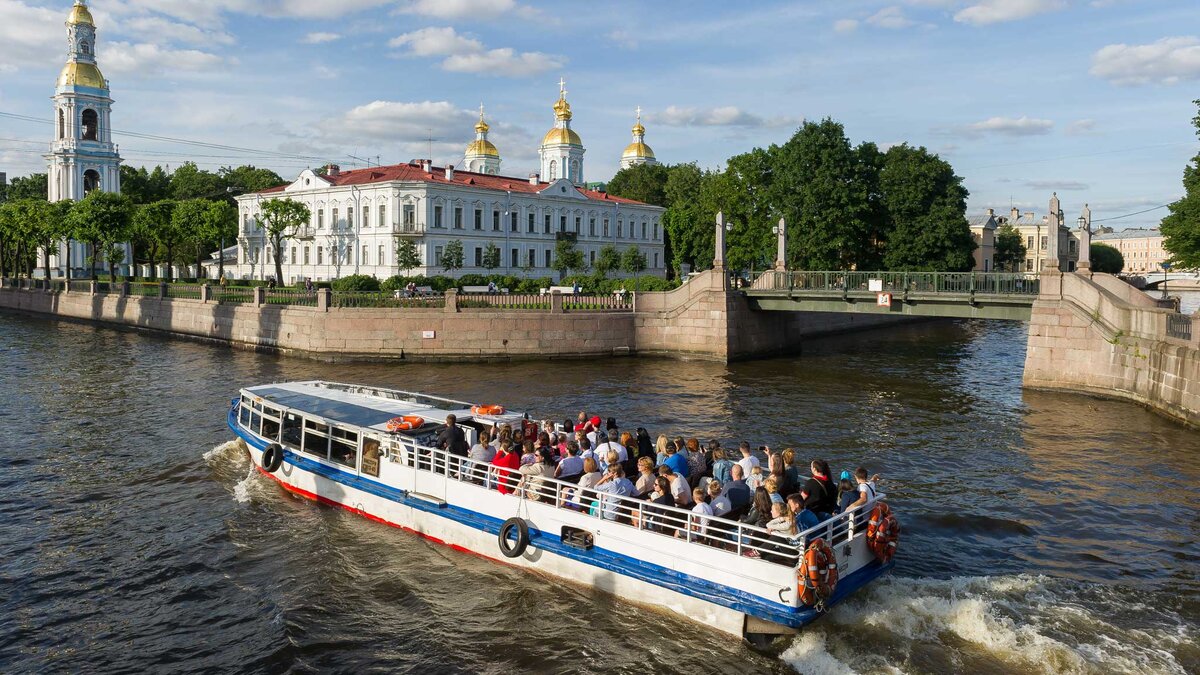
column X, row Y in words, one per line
column 324, row 299
column 260, row 296
column 451, row 301
column 125, row 289
column 162, row 290
column 205, row 293
column 556, row 303
column 92, row 287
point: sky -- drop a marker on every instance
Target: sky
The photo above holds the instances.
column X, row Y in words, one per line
column 1089, row 98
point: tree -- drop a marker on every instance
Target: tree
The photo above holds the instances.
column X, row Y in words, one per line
column 153, row 224
column 452, row 256
column 742, row 193
column 633, row 261
column 188, row 220
column 567, row 257
column 687, row 224
column 249, row 179
column 43, row 226
column 926, row 207
column 1106, row 259
column 102, row 218
column 144, row 187
column 407, row 254
column 1010, row 249
column 608, row 260
column 491, row 256
column 280, row 218
column 191, row 182
column 220, row 226
column 643, row 182
column 1181, row 229
column 33, row 186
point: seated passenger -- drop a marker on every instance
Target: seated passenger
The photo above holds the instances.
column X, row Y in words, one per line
column 697, row 466
column 771, row 485
column 698, row 526
column 584, row 495
column 571, row 464
column 748, row 460
column 676, row 460
column 645, row 447
column 679, row 487
column 738, row 492
column 755, row 480
column 820, row 494
column 660, row 450
column 533, row 477
column 657, row 519
column 866, row 488
column 528, row 453
column 847, row 493
column 646, row 476
column 805, row 518
column 722, row 466
column 758, row 515
column 783, row 535
column 505, row 463
column 481, row 455
column 719, row 502
column 614, row 483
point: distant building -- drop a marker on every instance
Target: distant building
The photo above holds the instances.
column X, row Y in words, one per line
column 1141, row 247
column 1036, row 233
column 983, row 230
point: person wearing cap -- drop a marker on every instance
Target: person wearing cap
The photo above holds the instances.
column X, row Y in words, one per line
column 593, row 429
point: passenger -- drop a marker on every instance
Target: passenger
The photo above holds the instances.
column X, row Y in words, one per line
column 605, row 445
column 528, row 453
column 645, row 445
column 679, row 487
column 772, row 488
column 698, row 526
column 758, row 515
column 721, row 466
column 614, row 483
column 805, row 518
column 783, row 535
column 710, row 452
column 783, row 521
column 660, row 450
column 697, row 467
column 720, row 504
column 820, row 495
column 452, row 439
column 866, row 488
column 571, row 465
column 748, row 460
column 737, row 491
column 506, row 462
column 755, row 480
column 481, row 455
column 581, row 421
column 591, row 473
column 533, row 477
column 657, row 518
column 795, row 473
column 676, row 460
column 585, row 447
column 593, row 430
column 646, row 477
column 777, row 470
column 847, row 493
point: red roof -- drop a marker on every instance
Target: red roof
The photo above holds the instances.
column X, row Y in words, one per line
column 414, row 173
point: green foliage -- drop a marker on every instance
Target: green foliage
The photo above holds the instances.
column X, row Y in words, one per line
column 926, row 208
column 593, row 285
column 633, row 261
column 643, row 182
column 1181, row 229
column 154, row 230
column 280, row 218
column 249, row 179
column 608, row 260
column 33, row 186
column 407, row 255
column 145, row 187
column 452, row 255
column 1009, row 249
column 491, row 256
column 567, row 257
column 102, row 218
column 189, row 216
column 687, row 223
column 356, row 282
column 1106, row 259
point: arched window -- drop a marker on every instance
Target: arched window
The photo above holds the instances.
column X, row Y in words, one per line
column 574, row 170
column 553, row 170
column 62, row 124
column 90, row 124
column 85, row 47
column 91, row 180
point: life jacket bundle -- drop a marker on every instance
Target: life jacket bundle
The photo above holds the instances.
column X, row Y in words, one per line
column 883, row 532
column 818, row 574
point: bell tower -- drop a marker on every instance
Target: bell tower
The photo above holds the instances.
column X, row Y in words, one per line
column 82, row 155
column 562, row 150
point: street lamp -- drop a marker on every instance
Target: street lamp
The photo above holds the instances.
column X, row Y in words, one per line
column 1166, row 267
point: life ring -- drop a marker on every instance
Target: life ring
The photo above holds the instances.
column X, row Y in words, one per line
column 508, row 548
column 272, row 457
column 405, row 423
column 487, row 410
column 817, row 574
column 883, row 532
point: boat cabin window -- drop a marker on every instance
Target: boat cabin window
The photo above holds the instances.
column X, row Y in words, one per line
column 244, row 414
column 270, row 423
column 316, row 439
column 291, row 431
column 344, row 447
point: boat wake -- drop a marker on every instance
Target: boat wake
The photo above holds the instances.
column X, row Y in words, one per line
column 226, row 451
column 1022, row 623
column 242, row 491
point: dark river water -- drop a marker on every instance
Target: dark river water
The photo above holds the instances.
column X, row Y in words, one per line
column 1042, row 533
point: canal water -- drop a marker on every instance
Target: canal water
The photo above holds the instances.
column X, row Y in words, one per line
column 1042, row 533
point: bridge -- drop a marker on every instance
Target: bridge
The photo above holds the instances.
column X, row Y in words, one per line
column 964, row 295
column 1156, row 279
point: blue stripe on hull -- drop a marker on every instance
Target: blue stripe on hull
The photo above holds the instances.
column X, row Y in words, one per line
column 695, row 587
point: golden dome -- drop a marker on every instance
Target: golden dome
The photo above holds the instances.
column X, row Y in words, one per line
column 80, row 14
column 80, row 74
column 481, row 127
column 562, row 109
column 639, row 130
column 638, row 150
column 561, row 137
column 485, row 148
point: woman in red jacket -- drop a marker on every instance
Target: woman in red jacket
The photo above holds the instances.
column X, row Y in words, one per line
column 506, row 462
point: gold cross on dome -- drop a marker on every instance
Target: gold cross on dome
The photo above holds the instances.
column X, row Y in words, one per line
column 639, row 114
column 481, row 110
column 562, row 88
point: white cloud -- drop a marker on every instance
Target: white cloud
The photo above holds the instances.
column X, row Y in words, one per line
column 624, row 39
column 845, row 25
column 997, row 11
column 465, row 9
column 1056, row 185
column 144, row 59
column 320, row 38
column 1081, row 127
column 1012, row 126
column 160, row 30
column 468, row 55
column 1168, row 61
column 211, row 12
column 31, row 36
column 890, row 17
column 726, row 116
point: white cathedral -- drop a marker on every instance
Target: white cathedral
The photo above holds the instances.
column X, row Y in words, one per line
column 82, row 155
column 359, row 216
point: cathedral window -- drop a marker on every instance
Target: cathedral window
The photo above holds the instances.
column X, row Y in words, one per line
column 62, row 125
column 553, row 170
column 91, row 124
column 85, row 47
column 574, row 170
column 91, row 180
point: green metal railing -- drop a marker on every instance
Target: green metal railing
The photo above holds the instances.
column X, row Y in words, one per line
column 898, row 283
column 351, row 299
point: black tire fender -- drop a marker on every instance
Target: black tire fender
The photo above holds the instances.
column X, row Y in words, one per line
column 508, row 548
column 272, row 457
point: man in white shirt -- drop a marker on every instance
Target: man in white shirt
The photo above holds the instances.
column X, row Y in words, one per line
column 605, row 445
column 679, row 486
column 748, row 461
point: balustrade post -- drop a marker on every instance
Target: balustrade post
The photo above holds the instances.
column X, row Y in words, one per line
column 556, row 303
column 125, row 289
column 260, row 296
column 162, row 290
column 451, row 306
column 324, row 299
column 205, row 293
column 92, row 287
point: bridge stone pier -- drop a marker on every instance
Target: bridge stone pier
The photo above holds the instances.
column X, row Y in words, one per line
column 1096, row 334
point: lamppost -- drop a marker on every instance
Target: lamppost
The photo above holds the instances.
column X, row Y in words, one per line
column 1166, row 267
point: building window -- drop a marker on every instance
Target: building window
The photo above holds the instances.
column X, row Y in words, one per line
column 562, row 223
column 515, row 259
column 350, row 217
column 245, row 222
column 366, row 257
column 458, row 216
column 479, row 219
column 437, row 216
column 320, row 255
column 592, row 258
column 606, row 227
column 1072, row 246
column 655, row 261
column 578, row 220
column 656, row 232
column 293, row 255
column 410, row 216
column 620, row 228
column 334, row 221
column 383, row 215
column 307, row 250
column 478, row 257
column 1043, row 243
column 591, row 227
column 643, row 229
column 1028, row 264
column 553, row 170
column 547, row 257
column 320, row 219
column 90, row 125
column 437, row 256
column 381, row 258
column 367, row 216
column 531, row 225
column 546, row 225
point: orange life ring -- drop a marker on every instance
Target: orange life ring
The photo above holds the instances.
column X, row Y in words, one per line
column 883, row 532
column 487, row 410
column 405, row 423
column 818, row 573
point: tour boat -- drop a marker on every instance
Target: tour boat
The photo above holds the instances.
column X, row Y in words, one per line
column 370, row 450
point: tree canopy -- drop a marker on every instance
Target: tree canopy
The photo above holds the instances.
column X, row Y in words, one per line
column 1106, row 259
column 1009, row 250
column 1181, row 229
column 280, row 219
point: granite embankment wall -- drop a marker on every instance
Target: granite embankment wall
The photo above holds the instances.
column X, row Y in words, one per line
column 699, row 320
column 1098, row 335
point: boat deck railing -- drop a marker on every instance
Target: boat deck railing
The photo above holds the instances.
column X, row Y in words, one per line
column 682, row 524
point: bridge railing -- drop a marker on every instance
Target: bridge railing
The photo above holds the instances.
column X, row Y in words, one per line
column 982, row 283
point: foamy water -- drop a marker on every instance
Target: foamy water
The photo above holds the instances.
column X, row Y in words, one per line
column 1029, row 624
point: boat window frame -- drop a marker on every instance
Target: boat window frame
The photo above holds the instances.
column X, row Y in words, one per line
column 316, row 433
column 341, row 435
column 283, row 427
column 276, row 419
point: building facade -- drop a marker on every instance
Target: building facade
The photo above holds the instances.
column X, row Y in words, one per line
column 1036, row 233
column 360, row 217
column 1142, row 248
column 983, row 231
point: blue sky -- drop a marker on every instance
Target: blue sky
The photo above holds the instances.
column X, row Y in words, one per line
column 1091, row 98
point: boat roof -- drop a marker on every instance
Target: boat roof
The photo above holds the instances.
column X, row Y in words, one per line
column 368, row 407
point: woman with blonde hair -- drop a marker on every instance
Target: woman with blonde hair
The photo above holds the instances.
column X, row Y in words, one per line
column 660, row 448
